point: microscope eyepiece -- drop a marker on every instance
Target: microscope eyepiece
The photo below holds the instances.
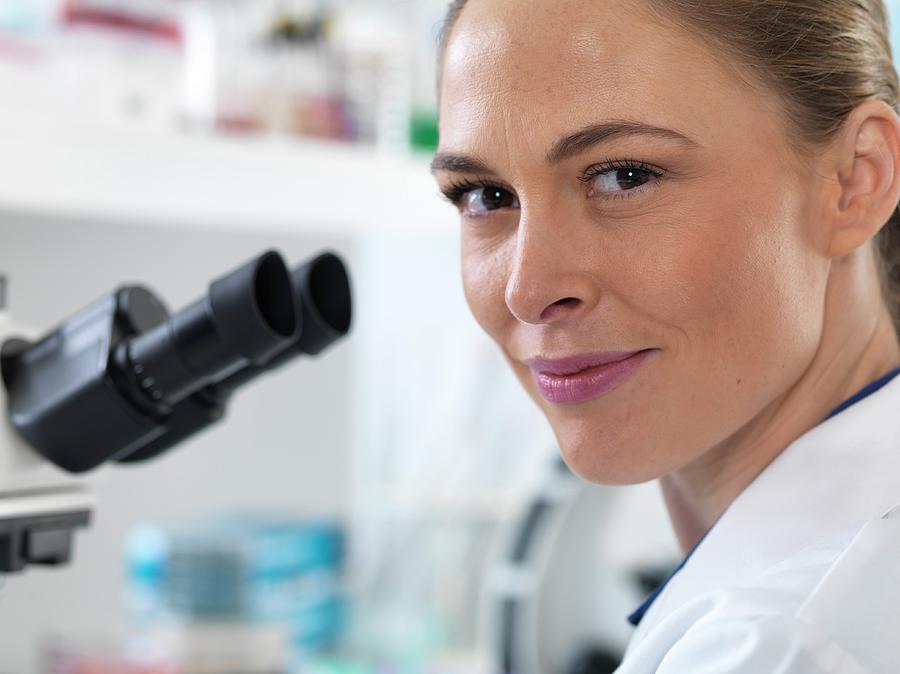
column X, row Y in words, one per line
column 247, row 317
column 324, row 305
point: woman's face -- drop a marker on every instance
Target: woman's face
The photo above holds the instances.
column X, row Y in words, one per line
column 630, row 209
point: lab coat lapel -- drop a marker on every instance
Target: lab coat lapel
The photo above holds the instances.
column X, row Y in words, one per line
column 838, row 476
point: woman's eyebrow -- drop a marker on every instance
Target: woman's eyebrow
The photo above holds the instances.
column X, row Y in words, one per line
column 583, row 140
column 458, row 163
column 567, row 147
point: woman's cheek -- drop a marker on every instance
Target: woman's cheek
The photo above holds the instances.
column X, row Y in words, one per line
column 484, row 276
column 734, row 296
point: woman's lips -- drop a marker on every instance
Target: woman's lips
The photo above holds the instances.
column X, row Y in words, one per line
column 571, row 381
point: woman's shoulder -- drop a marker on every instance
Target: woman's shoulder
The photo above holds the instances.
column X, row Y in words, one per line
column 833, row 607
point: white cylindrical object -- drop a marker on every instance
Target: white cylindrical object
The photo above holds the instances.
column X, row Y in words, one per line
column 200, row 78
column 378, row 78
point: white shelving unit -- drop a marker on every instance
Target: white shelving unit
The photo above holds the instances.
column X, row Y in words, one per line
column 140, row 175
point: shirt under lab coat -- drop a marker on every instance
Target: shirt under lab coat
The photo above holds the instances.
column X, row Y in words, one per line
column 801, row 575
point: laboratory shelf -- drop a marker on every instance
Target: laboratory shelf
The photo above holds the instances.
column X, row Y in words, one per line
column 118, row 173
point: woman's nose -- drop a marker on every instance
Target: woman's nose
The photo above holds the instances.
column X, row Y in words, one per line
column 550, row 278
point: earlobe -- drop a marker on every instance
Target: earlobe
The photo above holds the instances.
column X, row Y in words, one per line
column 869, row 176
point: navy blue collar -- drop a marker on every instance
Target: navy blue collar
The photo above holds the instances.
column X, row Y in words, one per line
column 638, row 615
column 865, row 393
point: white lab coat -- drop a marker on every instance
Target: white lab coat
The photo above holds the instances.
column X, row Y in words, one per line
column 801, row 575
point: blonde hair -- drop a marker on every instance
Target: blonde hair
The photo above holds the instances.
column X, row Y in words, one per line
column 822, row 57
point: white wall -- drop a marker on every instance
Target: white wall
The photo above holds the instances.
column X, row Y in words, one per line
column 894, row 12
column 283, row 446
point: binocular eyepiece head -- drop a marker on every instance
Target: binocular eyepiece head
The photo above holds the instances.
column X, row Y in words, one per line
column 123, row 378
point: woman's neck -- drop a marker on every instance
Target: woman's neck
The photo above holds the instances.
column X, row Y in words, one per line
column 859, row 345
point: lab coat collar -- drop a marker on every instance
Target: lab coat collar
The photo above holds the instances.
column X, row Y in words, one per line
column 837, row 476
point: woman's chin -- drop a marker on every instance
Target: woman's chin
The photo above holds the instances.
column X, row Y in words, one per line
column 602, row 457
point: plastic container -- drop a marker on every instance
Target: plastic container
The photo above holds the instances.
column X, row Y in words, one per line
column 267, row 587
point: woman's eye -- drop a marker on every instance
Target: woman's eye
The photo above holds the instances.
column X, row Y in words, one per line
column 620, row 180
column 487, row 199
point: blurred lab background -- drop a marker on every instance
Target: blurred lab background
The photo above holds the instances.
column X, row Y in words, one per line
column 394, row 505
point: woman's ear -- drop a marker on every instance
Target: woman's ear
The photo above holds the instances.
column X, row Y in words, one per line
column 868, row 176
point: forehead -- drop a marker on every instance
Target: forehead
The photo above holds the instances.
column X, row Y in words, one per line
column 535, row 70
